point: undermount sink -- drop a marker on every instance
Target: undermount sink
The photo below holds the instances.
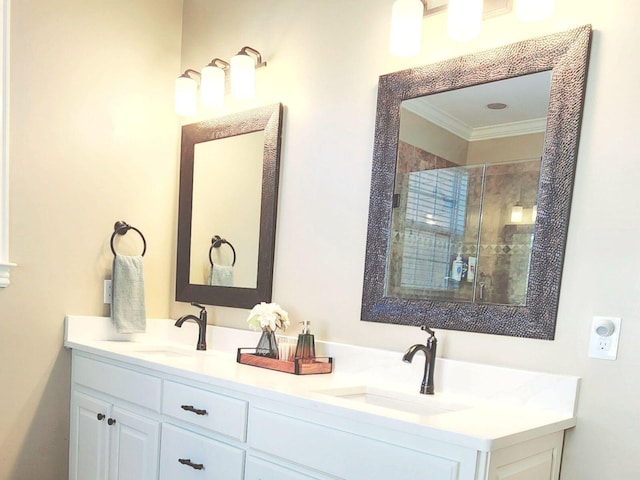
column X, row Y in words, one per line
column 409, row 403
column 169, row 353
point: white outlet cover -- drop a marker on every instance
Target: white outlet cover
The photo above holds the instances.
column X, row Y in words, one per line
column 604, row 347
column 107, row 291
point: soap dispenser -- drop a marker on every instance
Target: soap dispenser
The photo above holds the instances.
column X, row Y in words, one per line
column 305, row 349
column 456, row 268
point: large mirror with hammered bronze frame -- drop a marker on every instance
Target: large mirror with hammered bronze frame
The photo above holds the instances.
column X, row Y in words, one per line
column 473, row 170
column 229, row 170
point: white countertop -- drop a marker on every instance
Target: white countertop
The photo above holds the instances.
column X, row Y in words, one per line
column 502, row 406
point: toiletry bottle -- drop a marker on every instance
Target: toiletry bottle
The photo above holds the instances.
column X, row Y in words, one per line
column 305, row 349
column 456, row 268
column 471, row 274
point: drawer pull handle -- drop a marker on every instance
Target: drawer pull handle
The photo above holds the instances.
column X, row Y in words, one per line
column 111, row 421
column 188, row 462
column 191, row 408
column 101, row 416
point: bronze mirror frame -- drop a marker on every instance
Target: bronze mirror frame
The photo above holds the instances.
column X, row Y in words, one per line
column 567, row 55
column 268, row 119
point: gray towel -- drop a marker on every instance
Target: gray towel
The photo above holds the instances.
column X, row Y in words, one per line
column 221, row 276
column 127, row 294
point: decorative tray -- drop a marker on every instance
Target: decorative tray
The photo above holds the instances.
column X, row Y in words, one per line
column 247, row 356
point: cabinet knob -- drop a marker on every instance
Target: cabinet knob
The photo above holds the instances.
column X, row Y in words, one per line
column 189, row 463
column 111, row 421
column 101, row 416
column 191, row 408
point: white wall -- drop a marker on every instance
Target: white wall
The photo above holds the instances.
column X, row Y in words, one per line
column 324, row 60
column 93, row 139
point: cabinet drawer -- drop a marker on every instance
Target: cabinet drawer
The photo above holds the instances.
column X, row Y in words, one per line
column 258, row 469
column 134, row 387
column 219, row 413
column 344, row 454
column 186, row 456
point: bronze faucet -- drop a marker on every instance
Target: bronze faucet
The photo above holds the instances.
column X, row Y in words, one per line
column 202, row 325
column 430, row 359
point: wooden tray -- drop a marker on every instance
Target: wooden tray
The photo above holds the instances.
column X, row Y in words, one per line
column 247, row 356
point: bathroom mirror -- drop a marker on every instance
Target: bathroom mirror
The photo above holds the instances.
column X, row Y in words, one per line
column 432, row 212
column 229, row 170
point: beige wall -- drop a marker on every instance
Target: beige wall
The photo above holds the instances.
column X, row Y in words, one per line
column 324, row 60
column 93, row 140
column 506, row 149
column 432, row 138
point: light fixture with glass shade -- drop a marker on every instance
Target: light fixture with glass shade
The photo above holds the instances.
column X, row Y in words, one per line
column 516, row 213
column 534, row 10
column 212, row 84
column 186, row 94
column 406, row 28
column 464, row 19
column 243, row 72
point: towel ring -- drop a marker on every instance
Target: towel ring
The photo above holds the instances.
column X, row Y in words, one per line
column 121, row 228
column 216, row 242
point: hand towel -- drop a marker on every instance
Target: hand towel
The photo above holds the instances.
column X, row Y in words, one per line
column 221, row 276
column 127, row 294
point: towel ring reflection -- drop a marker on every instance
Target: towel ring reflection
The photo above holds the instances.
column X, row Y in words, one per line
column 121, row 228
column 216, row 242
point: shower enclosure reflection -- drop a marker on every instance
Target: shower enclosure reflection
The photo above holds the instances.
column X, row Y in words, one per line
column 465, row 194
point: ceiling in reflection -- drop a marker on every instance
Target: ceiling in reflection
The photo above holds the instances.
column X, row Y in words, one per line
column 464, row 111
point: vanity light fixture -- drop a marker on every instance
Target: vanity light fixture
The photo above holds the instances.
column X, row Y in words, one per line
column 212, row 84
column 463, row 22
column 464, row 19
column 534, row 10
column 406, row 28
column 243, row 72
column 186, row 93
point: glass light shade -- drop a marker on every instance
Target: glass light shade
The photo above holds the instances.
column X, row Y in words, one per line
column 243, row 76
column 186, row 96
column 212, row 87
column 464, row 19
column 406, row 28
column 534, row 10
column 516, row 213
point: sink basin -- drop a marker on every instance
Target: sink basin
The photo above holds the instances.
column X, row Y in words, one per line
column 161, row 353
column 405, row 402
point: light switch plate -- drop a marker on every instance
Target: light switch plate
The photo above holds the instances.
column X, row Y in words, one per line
column 107, row 291
column 604, row 338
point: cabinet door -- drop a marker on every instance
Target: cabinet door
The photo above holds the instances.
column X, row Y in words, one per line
column 186, row 456
column 89, row 438
column 258, row 469
column 135, row 444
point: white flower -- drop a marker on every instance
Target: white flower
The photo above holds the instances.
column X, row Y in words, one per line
column 268, row 315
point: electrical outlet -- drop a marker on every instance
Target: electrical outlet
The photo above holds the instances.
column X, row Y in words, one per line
column 605, row 334
column 107, row 291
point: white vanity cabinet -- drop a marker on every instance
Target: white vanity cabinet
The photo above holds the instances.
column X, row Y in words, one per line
column 344, row 449
column 339, row 447
column 261, row 469
column 215, row 454
column 112, row 436
column 143, row 412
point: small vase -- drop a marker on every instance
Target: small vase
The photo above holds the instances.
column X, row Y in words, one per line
column 267, row 345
